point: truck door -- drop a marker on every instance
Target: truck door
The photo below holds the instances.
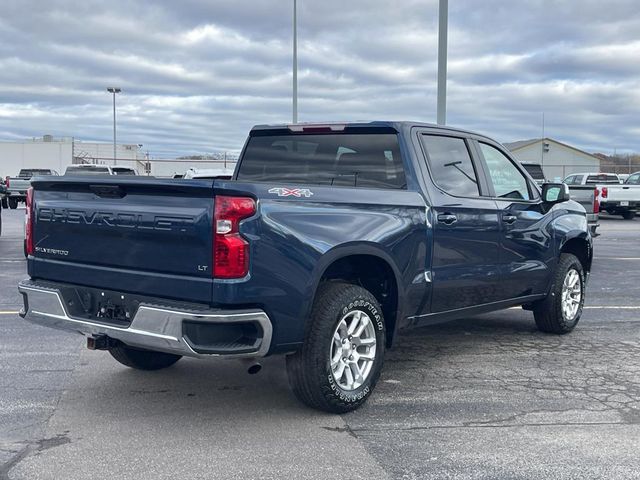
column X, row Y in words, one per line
column 465, row 269
column 526, row 246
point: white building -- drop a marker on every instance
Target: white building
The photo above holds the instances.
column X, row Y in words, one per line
column 59, row 153
column 557, row 159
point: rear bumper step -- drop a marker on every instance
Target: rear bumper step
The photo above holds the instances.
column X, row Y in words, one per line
column 201, row 333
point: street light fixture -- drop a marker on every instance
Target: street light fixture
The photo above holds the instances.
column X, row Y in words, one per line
column 114, row 90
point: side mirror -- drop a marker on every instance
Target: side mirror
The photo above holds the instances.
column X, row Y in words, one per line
column 555, row 192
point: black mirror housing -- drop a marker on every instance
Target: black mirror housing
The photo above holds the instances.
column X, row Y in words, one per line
column 555, row 192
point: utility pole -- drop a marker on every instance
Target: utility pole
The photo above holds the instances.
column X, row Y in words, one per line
column 443, row 14
column 114, row 90
column 295, row 61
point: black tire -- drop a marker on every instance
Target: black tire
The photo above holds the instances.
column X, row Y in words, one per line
column 548, row 313
column 143, row 359
column 309, row 370
column 628, row 215
column 13, row 203
column 5, row 202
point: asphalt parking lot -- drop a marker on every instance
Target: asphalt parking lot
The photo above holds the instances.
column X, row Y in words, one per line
column 484, row 397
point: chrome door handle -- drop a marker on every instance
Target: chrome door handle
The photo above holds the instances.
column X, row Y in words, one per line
column 447, row 218
column 509, row 219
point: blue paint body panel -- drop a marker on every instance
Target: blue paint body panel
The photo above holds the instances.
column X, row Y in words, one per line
column 154, row 237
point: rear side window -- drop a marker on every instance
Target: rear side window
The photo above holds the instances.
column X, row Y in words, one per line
column 450, row 165
column 348, row 160
column 633, row 179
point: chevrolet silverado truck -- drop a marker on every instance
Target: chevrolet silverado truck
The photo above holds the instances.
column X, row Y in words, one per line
column 328, row 241
column 16, row 187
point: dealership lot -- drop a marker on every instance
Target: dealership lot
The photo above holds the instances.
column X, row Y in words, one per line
column 485, row 397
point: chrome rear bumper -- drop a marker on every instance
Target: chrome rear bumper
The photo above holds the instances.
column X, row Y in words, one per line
column 152, row 327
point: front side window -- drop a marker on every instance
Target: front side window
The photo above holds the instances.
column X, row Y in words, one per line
column 450, row 165
column 570, row 180
column 508, row 181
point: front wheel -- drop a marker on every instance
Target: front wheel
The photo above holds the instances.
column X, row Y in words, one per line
column 341, row 358
column 142, row 359
column 561, row 310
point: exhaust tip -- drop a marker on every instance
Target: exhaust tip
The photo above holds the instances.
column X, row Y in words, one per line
column 253, row 369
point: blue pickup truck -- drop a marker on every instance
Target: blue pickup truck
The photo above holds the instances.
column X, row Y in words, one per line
column 328, row 241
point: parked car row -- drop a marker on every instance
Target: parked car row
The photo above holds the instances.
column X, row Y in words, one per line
column 13, row 190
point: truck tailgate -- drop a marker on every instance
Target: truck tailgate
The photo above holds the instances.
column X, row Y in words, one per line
column 143, row 235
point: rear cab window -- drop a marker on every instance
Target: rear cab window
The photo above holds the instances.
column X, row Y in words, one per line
column 361, row 160
column 602, row 178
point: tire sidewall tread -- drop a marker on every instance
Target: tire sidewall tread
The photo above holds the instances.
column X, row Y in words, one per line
column 309, row 369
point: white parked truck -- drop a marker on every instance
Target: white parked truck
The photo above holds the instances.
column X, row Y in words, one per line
column 612, row 196
column 16, row 187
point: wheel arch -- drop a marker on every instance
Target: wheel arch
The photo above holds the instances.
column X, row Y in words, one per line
column 370, row 267
column 580, row 246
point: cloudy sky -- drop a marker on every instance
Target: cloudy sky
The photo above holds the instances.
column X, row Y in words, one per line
column 197, row 74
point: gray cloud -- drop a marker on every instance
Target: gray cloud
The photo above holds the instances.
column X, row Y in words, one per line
column 197, row 74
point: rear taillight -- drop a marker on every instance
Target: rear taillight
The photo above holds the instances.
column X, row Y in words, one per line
column 605, row 192
column 230, row 250
column 28, row 223
column 6, row 181
column 596, row 201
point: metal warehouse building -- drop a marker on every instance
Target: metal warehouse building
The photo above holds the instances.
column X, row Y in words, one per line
column 557, row 159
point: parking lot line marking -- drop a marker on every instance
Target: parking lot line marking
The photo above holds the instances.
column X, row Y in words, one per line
column 614, row 307
column 8, row 313
column 602, row 307
column 616, row 258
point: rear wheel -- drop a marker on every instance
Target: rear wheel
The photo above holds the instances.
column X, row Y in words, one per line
column 13, row 203
column 143, row 359
column 5, row 202
column 342, row 355
column 628, row 215
column 561, row 310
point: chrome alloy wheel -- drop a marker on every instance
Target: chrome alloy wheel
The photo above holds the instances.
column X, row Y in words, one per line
column 353, row 350
column 571, row 294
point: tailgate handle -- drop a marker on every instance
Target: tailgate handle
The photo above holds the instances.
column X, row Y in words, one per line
column 107, row 191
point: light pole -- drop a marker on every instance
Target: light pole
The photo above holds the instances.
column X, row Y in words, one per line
column 442, row 61
column 114, row 90
column 295, row 61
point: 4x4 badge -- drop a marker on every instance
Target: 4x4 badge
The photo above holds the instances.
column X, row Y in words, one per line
column 291, row 192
